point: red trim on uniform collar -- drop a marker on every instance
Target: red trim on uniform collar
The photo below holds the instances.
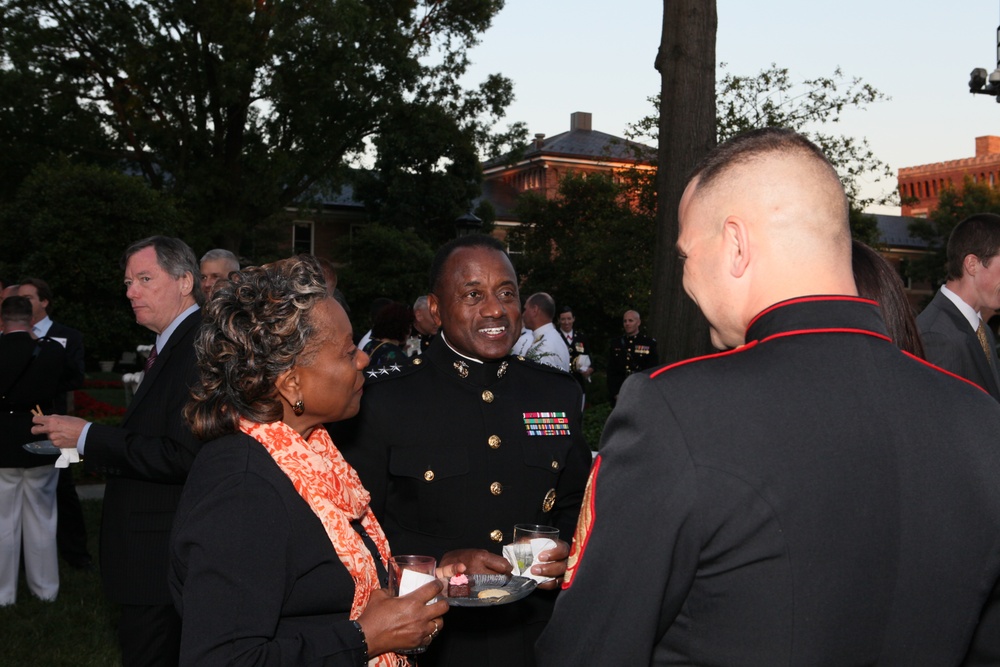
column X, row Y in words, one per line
column 945, row 371
column 808, row 299
column 849, row 330
column 705, row 356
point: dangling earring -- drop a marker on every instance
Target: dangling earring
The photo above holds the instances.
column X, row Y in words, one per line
column 299, row 408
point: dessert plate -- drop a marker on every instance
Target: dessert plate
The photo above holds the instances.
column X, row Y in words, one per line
column 41, row 447
column 516, row 588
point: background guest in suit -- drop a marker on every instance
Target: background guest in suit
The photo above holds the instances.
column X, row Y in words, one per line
column 216, row 265
column 31, row 373
column 955, row 336
column 146, row 460
column 71, row 535
column 811, row 495
column 878, row 281
column 276, row 555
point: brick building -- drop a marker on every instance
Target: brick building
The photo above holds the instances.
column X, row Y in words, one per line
column 546, row 160
column 920, row 186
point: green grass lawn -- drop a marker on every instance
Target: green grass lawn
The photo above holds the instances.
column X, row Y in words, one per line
column 77, row 630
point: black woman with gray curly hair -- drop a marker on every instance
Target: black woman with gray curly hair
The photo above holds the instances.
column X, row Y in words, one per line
column 276, row 555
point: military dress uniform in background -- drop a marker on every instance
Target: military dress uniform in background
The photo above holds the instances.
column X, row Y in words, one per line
column 629, row 354
column 31, row 373
column 454, row 453
column 576, row 341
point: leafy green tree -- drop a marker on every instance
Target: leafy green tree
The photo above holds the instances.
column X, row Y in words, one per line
column 72, row 223
column 385, row 262
column 589, row 247
column 237, row 108
column 954, row 205
column 771, row 99
column 425, row 179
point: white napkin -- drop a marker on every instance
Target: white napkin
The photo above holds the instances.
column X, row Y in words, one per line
column 410, row 581
column 538, row 545
column 67, row 455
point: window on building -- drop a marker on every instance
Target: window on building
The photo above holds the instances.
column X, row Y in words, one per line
column 302, row 237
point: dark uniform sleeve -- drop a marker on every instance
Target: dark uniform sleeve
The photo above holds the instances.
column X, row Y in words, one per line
column 636, row 548
column 228, row 580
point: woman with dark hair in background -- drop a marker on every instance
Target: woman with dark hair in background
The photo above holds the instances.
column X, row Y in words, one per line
column 276, row 556
column 878, row 281
column 389, row 332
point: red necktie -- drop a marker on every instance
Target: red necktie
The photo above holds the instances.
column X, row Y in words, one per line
column 150, row 359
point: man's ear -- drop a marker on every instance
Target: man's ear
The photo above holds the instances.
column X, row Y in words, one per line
column 288, row 385
column 971, row 264
column 736, row 237
column 187, row 283
column 432, row 307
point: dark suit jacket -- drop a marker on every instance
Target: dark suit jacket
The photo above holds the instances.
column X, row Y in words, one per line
column 253, row 573
column 30, row 374
column 74, row 360
column 146, row 461
column 951, row 343
column 816, row 497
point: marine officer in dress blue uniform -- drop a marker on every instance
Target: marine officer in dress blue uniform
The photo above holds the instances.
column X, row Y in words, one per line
column 630, row 353
column 468, row 441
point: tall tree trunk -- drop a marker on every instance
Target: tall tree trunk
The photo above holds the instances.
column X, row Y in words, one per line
column 686, row 62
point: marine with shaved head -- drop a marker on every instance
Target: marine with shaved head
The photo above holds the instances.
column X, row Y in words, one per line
column 811, row 494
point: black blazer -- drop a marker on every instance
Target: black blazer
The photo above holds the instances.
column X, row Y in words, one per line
column 949, row 342
column 146, row 461
column 31, row 373
column 252, row 571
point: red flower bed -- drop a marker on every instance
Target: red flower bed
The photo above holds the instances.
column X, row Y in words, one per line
column 102, row 384
column 94, row 410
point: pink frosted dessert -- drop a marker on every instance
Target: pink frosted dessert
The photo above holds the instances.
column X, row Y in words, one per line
column 458, row 586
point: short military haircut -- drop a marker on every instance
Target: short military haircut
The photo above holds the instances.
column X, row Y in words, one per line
column 223, row 254
column 174, row 256
column 566, row 309
column 545, row 303
column 43, row 289
column 752, row 146
column 470, row 241
column 16, row 309
column 420, row 302
column 977, row 235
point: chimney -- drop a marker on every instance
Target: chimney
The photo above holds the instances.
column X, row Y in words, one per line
column 987, row 146
column 579, row 120
column 539, row 140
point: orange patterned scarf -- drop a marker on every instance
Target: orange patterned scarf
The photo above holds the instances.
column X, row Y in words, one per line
column 334, row 492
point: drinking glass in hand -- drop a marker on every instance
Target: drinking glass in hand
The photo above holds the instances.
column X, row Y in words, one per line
column 524, row 533
column 407, row 574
